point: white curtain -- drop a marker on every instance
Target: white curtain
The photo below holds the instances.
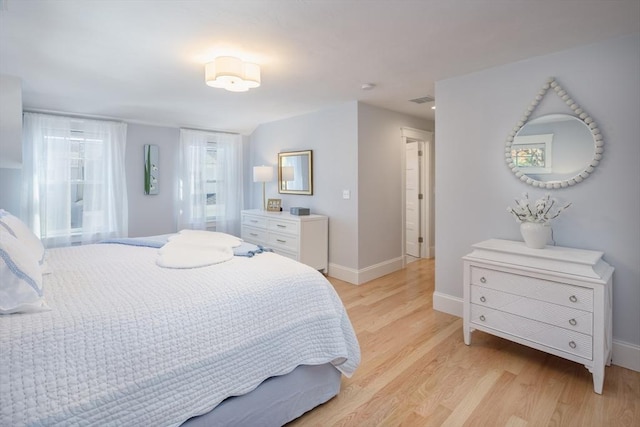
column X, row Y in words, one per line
column 230, row 183
column 192, row 187
column 50, row 201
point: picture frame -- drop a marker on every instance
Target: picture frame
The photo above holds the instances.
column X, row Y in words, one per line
column 151, row 169
column 274, row 205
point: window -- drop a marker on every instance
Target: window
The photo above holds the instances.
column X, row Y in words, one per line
column 210, row 186
column 532, row 153
column 211, row 168
column 74, row 179
column 529, row 155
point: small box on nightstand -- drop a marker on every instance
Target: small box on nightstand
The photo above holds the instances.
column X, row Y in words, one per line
column 299, row 211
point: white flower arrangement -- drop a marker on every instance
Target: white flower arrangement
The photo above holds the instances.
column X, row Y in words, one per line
column 542, row 211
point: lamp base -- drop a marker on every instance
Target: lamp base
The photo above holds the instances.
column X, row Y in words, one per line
column 264, row 200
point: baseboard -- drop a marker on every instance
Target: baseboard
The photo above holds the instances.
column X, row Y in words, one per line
column 343, row 273
column 447, row 304
column 357, row 277
column 625, row 354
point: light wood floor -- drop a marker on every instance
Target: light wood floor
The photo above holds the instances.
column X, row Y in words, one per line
column 416, row 370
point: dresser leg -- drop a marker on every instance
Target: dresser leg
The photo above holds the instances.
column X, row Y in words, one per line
column 466, row 332
column 598, row 378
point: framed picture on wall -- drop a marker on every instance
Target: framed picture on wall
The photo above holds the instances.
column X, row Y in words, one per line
column 150, row 169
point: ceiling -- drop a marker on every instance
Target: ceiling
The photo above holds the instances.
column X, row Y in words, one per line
column 143, row 61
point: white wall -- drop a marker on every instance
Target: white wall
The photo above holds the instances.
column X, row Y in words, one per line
column 380, row 189
column 152, row 214
column 474, row 186
column 356, row 147
column 10, row 143
column 332, row 135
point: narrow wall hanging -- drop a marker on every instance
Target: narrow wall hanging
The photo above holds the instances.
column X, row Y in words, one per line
column 150, row 169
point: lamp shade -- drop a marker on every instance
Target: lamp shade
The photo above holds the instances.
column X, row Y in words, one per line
column 287, row 173
column 262, row 173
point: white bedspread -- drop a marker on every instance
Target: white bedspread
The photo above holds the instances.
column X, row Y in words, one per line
column 130, row 343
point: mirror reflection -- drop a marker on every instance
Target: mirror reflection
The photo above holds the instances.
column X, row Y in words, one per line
column 553, row 148
column 295, row 173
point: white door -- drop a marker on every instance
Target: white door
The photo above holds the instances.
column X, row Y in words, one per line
column 412, row 199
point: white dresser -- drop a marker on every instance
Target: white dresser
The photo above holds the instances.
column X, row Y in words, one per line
column 304, row 238
column 555, row 299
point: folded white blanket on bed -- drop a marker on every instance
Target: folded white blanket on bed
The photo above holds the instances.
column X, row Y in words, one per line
column 197, row 248
column 204, row 237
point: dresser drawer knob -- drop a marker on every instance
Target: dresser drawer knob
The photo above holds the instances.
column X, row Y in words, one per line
column 281, row 241
column 482, row 317
column 483, row 299
column 573, row 322
column 253, row 234
column 483, row 280
column 572, row 344
column 573, row 298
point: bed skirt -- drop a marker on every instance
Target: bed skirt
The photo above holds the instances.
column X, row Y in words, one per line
column 276, row 401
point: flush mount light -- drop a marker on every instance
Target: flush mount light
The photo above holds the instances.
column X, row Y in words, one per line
column 232, row 74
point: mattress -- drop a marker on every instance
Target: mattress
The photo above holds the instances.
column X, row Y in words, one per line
column 127, row 342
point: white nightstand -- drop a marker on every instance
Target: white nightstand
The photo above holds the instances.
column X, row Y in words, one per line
column 304, row 238
column 555, row 299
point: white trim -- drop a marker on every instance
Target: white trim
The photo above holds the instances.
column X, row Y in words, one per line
column 427, row 138
column 447, row 304
column 343, row 273
column 626, row 355
column 358, row 277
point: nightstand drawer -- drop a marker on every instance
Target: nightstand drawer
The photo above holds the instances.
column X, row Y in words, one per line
column 531, row 287
column 282, row 226
column 534, row 331
column 254, row 235
column 254, row 221
column 558, row 315
column 286, row 253
column 283, row 241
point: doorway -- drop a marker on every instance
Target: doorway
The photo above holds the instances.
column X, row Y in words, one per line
column 417, row 194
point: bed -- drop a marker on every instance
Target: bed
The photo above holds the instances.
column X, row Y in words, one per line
column 255, row 340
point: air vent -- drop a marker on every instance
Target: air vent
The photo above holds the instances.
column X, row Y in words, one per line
column 423, row 100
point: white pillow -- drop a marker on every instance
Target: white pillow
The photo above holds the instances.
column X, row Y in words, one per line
column 20, row 278
column 18, row 229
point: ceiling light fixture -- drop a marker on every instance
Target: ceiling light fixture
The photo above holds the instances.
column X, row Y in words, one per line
column 232, row 74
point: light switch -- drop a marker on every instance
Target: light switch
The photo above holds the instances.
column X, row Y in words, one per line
column 346, row 194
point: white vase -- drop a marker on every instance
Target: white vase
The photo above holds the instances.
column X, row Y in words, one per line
column 536, row 235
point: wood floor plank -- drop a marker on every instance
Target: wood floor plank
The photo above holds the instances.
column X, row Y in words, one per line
column 416, row 370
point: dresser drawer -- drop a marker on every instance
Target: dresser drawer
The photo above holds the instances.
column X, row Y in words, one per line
column 288, row 254
column 531, row 287
column 283, row 241
column 539, row 332
column 254, row 221
column 282, row 226
column 254, row 235
column 558, row 315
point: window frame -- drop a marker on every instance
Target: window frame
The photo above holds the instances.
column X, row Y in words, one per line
column 545, row 141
